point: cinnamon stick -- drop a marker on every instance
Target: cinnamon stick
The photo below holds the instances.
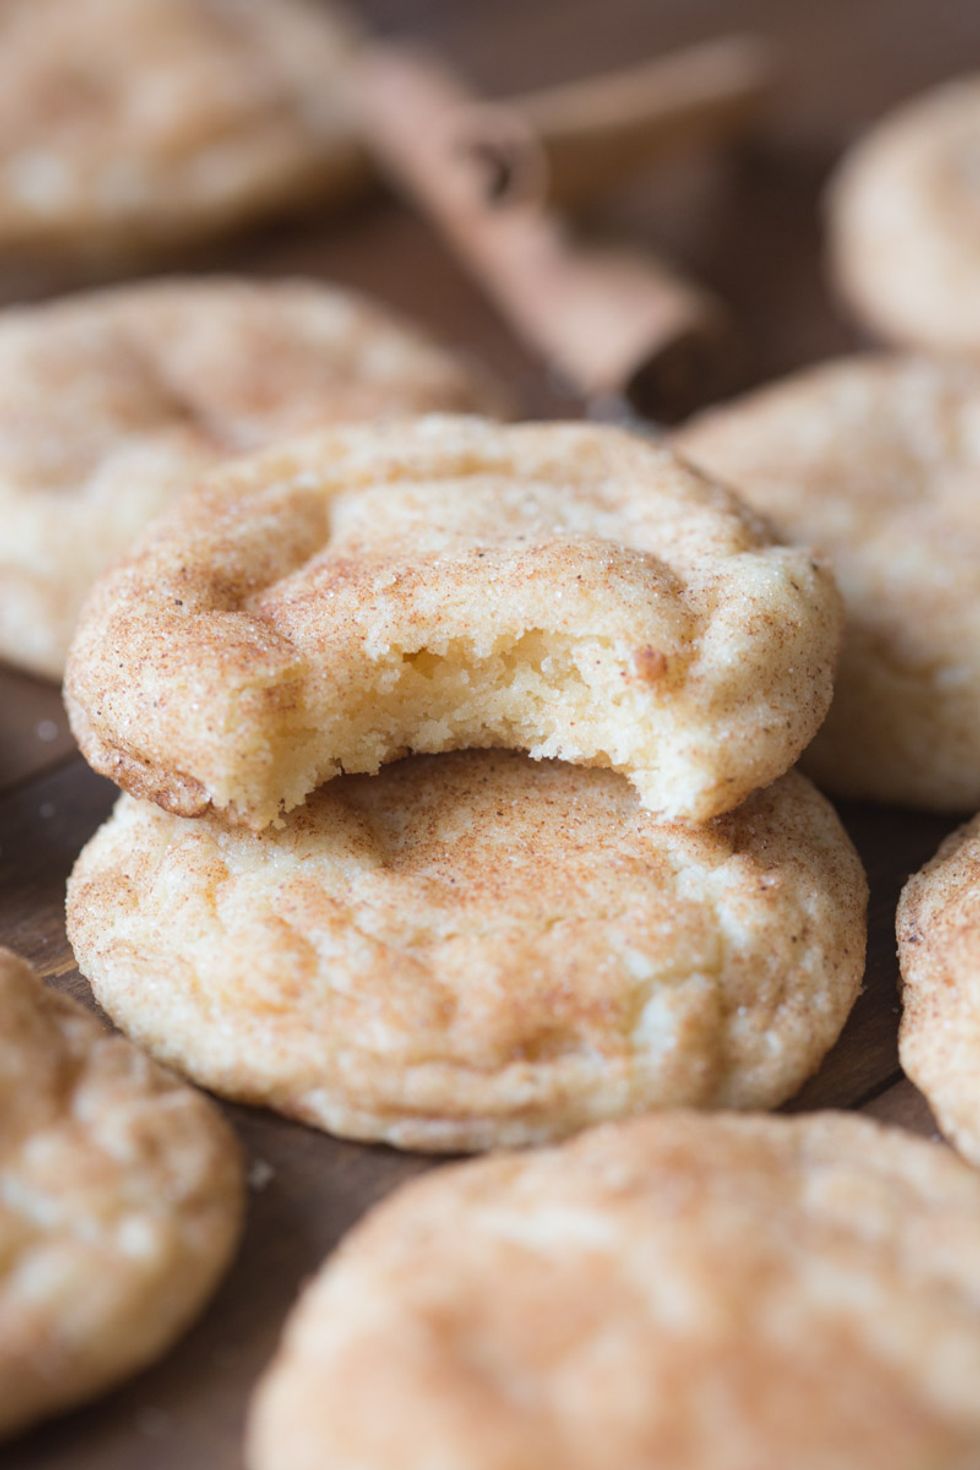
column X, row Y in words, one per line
column 609, row 320
column 572, row 143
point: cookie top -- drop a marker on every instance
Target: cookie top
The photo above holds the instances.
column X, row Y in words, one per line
column 471, row 950
column 120, row 1202
column 876, row 461
column 939, row 953
column 127, row 128
column 449, row 583
column 111, row 401
column 905, row 224
column 685, row 1291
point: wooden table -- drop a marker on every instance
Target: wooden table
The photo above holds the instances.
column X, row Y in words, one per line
column 750, row 227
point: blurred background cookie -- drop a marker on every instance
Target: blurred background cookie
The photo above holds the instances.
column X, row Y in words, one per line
column 720, row 1292
column 129, row 127
column 473, row 950
column 939, row 952
column 566, row 589
column 112, row 402
column 905, row 224
column 120, row 1203
column 876, row 461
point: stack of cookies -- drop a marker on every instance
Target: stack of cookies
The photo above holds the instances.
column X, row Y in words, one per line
column 339, row 886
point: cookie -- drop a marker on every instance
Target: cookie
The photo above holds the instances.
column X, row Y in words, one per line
column 685, row 1291
column 471, row 950
column 120, row 1203
column 904, row 226
column 128, row 129
column 876, row 461
column 564, row 589
column 110, row 401
column 939, row 953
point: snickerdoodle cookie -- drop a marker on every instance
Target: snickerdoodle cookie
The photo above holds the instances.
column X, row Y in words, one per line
column 110, row 401
column 904, row 215
column 876, row 461
column 120, row 1202
column 475, row 949
column 131, row 126
column 685, row 1291
column 939, row 952
column 564, row 589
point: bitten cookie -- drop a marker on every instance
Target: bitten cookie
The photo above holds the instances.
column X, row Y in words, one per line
column 683, row 1291
column 130, row 128
column 451, row 583
column 876, row 461
column 939, row 953
column 111, row 401
column 120, row 1203
column 472, row 950
column 905, row 226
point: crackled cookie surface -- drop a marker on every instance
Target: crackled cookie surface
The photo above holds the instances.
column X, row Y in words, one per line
column 111, row 401
column 476, row 949
column 563, row 589
column 939, row 952
column 876, row 462
column 120, row 1202
column 686, row 1291
column 904, row 217
column 128, row 126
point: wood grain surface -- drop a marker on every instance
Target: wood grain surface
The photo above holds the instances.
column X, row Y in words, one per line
column 750, row 227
